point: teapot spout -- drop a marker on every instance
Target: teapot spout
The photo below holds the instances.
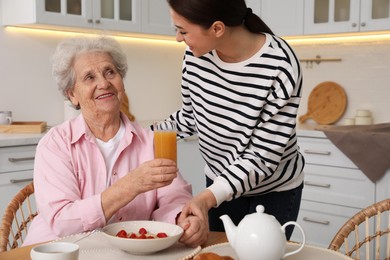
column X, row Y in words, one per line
column 230, row 228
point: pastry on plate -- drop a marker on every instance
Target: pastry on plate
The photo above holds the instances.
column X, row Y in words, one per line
column 212, row 256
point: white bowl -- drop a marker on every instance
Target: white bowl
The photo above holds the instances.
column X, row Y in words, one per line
column 55, row 250
column 142, row 246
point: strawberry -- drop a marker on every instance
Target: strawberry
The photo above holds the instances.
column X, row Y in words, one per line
column 162, row 235
column 122, row 233
column 133, row 235
column 142, row 231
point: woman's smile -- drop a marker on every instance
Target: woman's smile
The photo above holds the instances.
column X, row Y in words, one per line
column 104, row 96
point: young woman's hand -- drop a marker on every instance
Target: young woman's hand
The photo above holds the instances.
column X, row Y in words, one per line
column 195, row 231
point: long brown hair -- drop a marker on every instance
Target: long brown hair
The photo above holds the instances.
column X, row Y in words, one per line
column 230, row 12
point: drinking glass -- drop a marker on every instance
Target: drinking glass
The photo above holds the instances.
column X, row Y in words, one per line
column 165, row 145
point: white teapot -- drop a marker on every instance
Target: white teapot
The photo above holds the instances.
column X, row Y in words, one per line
column 259, row 236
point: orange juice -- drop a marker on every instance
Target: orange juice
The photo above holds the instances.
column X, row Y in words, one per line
column 165, row 145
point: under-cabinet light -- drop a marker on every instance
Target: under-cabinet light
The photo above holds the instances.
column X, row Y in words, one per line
column 379, row 36
column 158, row 39
column 382, row 36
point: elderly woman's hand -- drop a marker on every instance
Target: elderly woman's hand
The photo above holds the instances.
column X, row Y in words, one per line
column 195, row 231
column 148, row 176
column 151, row 175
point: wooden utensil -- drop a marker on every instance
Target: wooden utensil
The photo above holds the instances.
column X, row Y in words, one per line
column 326, row 104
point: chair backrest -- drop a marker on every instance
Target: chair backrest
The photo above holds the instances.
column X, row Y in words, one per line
column 367, row 234
column 17, row 216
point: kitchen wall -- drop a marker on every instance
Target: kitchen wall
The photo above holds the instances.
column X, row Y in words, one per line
column 364, row 73
column 28, row 90
column 153, row 80
column 27, row 87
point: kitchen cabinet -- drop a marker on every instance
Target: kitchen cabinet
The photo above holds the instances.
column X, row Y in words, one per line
column 114, row 16
column 156, row 18
column 335, row 189
column 17, row 152
column 311, row 17
column 16, row 170
column 191, row 163
column 285, row 18
column 341, row 16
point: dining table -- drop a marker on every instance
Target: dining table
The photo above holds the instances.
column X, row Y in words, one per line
column 217, row 242
column 23, row 253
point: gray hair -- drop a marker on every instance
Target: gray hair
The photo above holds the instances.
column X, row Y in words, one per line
column 66, row 51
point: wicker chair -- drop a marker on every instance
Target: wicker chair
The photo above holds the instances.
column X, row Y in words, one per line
column 368, row 233
column 16, row 219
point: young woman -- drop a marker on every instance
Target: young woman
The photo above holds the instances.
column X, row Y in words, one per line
column 241, row 88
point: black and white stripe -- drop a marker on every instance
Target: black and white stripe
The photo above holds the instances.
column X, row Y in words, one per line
column 245, row 116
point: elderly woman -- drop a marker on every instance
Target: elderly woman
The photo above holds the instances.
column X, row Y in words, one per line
column 99, row 167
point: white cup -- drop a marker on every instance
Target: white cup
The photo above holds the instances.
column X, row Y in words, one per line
column 349, row 121
column 55, row 251
column 363, row 120
column 5, row 117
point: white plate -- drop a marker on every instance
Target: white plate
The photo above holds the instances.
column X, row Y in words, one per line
column 96, row 247
column 307, row 253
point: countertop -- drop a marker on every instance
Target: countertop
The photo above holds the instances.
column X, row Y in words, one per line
column 311, row 130
column 19, row 139
column 305, row 130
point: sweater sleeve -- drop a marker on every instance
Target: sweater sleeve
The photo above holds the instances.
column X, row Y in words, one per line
column 185, row 117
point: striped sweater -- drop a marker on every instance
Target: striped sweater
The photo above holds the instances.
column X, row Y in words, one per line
column 245, row 116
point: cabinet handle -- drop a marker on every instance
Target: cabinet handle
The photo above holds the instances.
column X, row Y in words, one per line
column 20, row 180
column 21, row 159
column 354, row 24
column 323, row 222
column 316, row 184
column 316, row 152
column 89, row 21
column 97, row 21
column 363, row 24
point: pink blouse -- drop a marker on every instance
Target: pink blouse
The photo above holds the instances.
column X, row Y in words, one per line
column 70, row 175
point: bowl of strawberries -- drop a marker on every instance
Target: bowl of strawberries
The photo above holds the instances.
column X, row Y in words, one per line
column 141, row 237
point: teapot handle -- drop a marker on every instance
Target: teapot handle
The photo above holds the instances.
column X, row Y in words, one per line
column 303, row 237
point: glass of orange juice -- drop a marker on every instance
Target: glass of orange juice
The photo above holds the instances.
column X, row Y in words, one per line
column 165, row 145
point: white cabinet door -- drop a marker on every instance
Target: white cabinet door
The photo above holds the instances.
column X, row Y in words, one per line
column 331, row 16
column 47, row 12
column 338, row 186
column 375, row 15
column 383, row 187
column 191, row 164
column 156, row 18
column 117, row 15
column 338, row 16
column 107, row 15
column 321, row 223
column 17, row 158
column 16, row 170
column 10, row 184
column 283, row 17
column 65, row 13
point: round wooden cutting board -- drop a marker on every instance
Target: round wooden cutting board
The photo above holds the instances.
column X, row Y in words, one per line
column 326, row 104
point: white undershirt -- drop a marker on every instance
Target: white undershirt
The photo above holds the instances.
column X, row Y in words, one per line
column 109, row 151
